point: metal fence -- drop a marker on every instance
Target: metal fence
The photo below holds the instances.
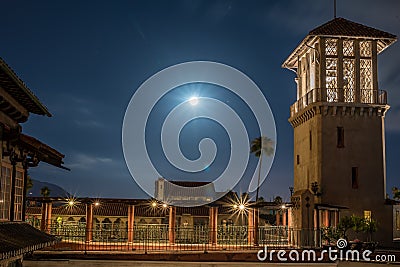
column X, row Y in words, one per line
column 157, row 237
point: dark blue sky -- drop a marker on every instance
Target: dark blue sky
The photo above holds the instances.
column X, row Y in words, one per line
column 85, row 59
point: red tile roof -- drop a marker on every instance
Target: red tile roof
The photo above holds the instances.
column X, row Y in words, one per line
column 20, row 238
column 11, row 83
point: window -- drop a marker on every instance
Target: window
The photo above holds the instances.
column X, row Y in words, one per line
column 348, row 48
column 19, row 189
column 298, row 159
column 348, row 79
column 365, row 49
column 5, row 193
column 398, row 220
column 367, row 215
column 340, row 137
column 310, row 140
column 354, row 177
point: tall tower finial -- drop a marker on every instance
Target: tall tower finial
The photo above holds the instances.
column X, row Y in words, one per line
column 334, row 9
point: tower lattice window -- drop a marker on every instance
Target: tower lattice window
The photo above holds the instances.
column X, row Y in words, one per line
column 331, row 47
column 348, row 80
column 366, row 80
column 348, row 48
column 331, row 80
column 365, row 49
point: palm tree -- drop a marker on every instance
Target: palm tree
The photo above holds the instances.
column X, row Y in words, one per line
column 29, row 183
column 259, row 146
column 45, row 191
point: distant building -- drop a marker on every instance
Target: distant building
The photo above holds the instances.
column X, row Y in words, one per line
column 339, row 133
column 19, row 152
column 185, row 193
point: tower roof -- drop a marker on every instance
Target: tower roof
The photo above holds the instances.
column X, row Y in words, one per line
column 344, row 27
column 340, row 27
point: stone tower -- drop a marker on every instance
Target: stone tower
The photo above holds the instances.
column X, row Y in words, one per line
column 338, row 122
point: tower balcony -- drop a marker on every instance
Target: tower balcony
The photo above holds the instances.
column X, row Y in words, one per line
column 339, row 95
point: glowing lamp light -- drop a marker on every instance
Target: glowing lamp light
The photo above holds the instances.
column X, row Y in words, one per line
column 164, row 205
column 283, row 207
column 235, row 206
column 153, row 204
column 97, row 203
column 194, row 100
column 241, row 206
column 71, row 203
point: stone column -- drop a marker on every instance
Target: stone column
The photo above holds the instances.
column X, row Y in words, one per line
column 290, row 226
column 289, row 218
column 44, row 217
column 326, row 218
column 284, row 217
column 213, row 225
column 250, row 228
column 256, row 221
column 278, row 218
column 336, row 214
column 89, row 222
column 48, row 221
column 131, row 224
column 172, row 224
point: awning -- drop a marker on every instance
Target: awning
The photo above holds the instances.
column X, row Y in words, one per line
column 17, row 238
column 44, row 152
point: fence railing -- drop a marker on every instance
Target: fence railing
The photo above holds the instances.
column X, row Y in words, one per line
column 339, row 95
column 156, row 237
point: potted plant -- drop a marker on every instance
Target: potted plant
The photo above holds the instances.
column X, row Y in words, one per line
column 330, row 235
column 370, row 227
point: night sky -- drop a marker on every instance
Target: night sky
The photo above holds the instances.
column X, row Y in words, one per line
column 85, row 59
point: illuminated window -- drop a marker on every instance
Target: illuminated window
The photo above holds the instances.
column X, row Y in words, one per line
column 5, row 193
column 365, row 49
column 367, row 215
column 398, row 220
column 348, row 48
column 331, row 47
column 366, row 80
column 348, row 79
column 331, row 80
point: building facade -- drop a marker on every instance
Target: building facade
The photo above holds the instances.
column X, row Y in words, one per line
column 19, row 152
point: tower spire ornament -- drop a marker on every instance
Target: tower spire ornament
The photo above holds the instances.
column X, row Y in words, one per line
column 334, row 9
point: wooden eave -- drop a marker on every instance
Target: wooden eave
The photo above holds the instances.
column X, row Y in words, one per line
column 16, row 88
